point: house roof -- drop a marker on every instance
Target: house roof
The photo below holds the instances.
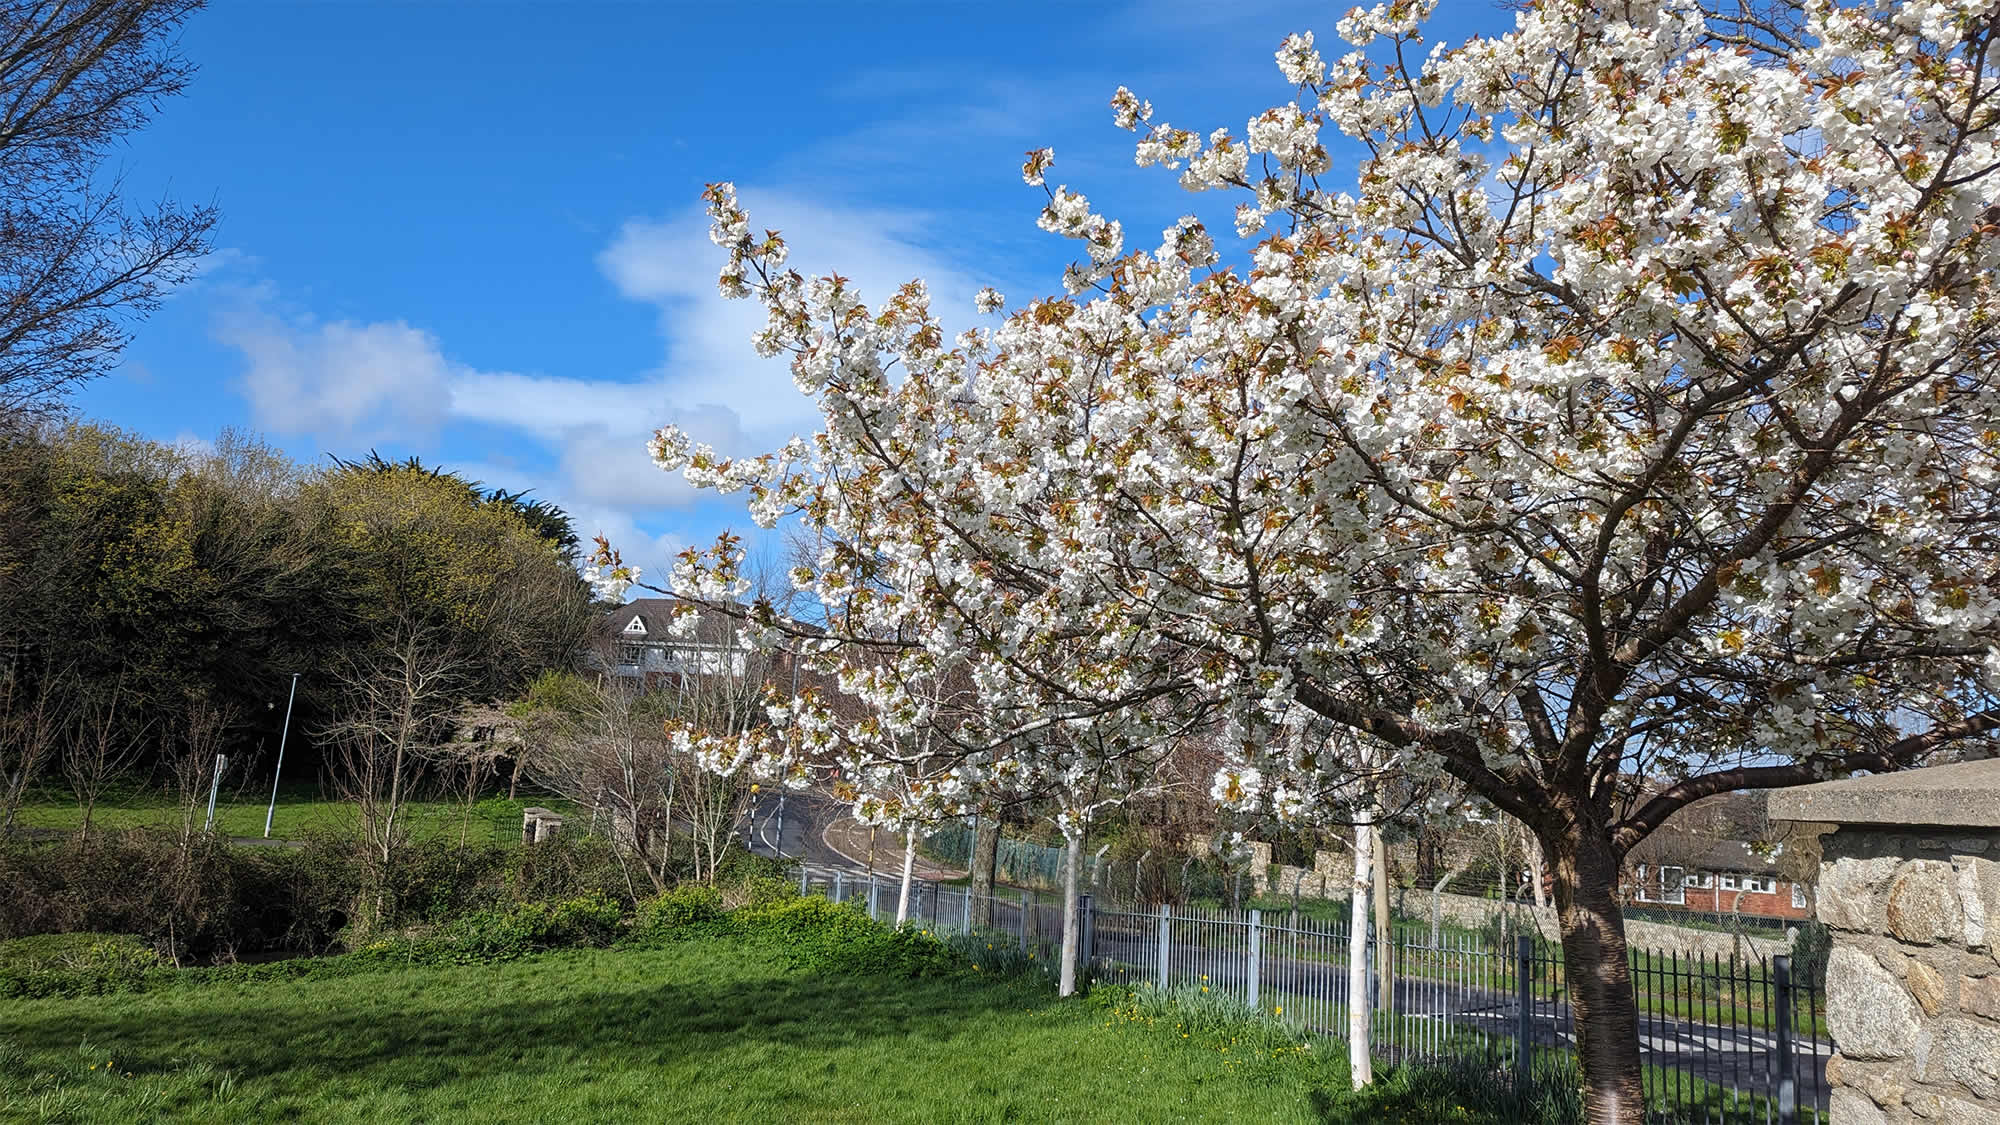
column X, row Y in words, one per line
column 1726, row 832
column 651, row 619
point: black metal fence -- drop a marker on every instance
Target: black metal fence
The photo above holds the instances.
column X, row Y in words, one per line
column 1721, row 1040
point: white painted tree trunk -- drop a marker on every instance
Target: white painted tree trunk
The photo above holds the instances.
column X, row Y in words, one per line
column 1072, row 921
column 909, row 865
column 1359, row 1010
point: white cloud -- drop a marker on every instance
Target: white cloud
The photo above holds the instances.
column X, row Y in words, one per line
column 709, row 363
column 365, row 384
column 361, row 381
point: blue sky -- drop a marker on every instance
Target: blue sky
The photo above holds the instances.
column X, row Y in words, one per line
column 471, row 230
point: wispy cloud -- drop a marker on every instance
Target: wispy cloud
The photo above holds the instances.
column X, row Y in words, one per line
column 340, row 379
column 584, row 438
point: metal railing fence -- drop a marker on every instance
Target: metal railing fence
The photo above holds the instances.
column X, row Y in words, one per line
column 1724, row 1041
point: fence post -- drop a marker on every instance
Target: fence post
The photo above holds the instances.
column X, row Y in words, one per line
column 803, row 876
column 1784, row 1077
column 1524, row 956
column 1166, row 916
column 839, row 884
column 965, row 917
column 874, row 896
column 1086, row 933
column 1024, row 919
column 1256, row 920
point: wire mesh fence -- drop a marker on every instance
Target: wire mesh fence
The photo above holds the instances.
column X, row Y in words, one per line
column 1724, row 1041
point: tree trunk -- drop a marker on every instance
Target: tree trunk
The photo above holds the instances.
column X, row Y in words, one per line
column 1359, row 1020
column 1537, row 870
column 1597, row 972
column 1437, row 900
column 1072, row 920
column 1385, row 947
column 985, row 860
column 909, row 865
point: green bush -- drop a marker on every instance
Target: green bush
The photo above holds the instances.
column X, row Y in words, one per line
column 74, row 964
column 568, row 866
column 691, row 908
column 820, row 936
column 499, row 935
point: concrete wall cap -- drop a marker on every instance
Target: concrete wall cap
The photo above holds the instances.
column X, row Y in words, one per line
column 1964, row 794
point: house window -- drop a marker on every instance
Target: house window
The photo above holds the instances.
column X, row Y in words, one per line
column 631, row 654
column 1672, row 886
column 1645, row 888
column 1760, row 884
column 1798, row 897
column 1703, row 881
column 1729, row 882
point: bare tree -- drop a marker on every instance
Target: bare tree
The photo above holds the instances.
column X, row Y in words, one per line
column 99, row 747
column 394, row 709
column 191, row 754
column 32, row 719
column 76, row 264
column 612, row 755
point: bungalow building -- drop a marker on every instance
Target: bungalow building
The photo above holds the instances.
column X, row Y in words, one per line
column 1720, row 856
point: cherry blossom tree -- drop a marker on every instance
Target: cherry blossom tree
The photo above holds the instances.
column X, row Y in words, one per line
column 1623, row 434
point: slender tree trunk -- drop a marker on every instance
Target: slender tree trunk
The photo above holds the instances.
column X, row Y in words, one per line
column 1537, row 869
column 1071, row 922
column 909, row 866
column 1359, row 1020
column 1385, row 947
column 1598, row 974
column 985, row 861
column 1437, row 893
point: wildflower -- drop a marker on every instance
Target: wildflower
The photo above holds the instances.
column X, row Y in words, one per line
column 1280, row 1011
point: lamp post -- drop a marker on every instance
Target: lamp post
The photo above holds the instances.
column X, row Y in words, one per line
column 282, row 733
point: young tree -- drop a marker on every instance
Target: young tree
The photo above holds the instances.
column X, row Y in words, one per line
column 101, row 743
column 76, row 265
column 33, row 716
column 193, row 745
column 392, row 715
column 1632, row 417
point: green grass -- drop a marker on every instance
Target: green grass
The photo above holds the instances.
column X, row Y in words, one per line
column 299, row 813
column 709, row 1030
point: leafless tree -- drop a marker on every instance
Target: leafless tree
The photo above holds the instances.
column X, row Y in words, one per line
column 190, row 753
column 32, row 719
column 393, row 711
column 612, row 755
column 76, row 263
column 99, row 747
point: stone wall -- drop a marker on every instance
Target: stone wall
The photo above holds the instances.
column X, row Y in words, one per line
column 1657, row 937
column 1913, row 983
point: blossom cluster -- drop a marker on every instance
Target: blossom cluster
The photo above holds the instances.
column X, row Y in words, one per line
column 1640, row 419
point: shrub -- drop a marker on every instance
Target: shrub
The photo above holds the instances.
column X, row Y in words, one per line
column 820, row 936
column 74, row 964
column 758, row 888
column 1810, row 951
column 693, row 907
column 568, row 866
column 498, row 935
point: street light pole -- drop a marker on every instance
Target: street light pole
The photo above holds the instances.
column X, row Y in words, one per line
column 282, row 733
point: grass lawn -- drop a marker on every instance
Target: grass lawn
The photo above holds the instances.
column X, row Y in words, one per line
column 712, row 1030
column 299, row 811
